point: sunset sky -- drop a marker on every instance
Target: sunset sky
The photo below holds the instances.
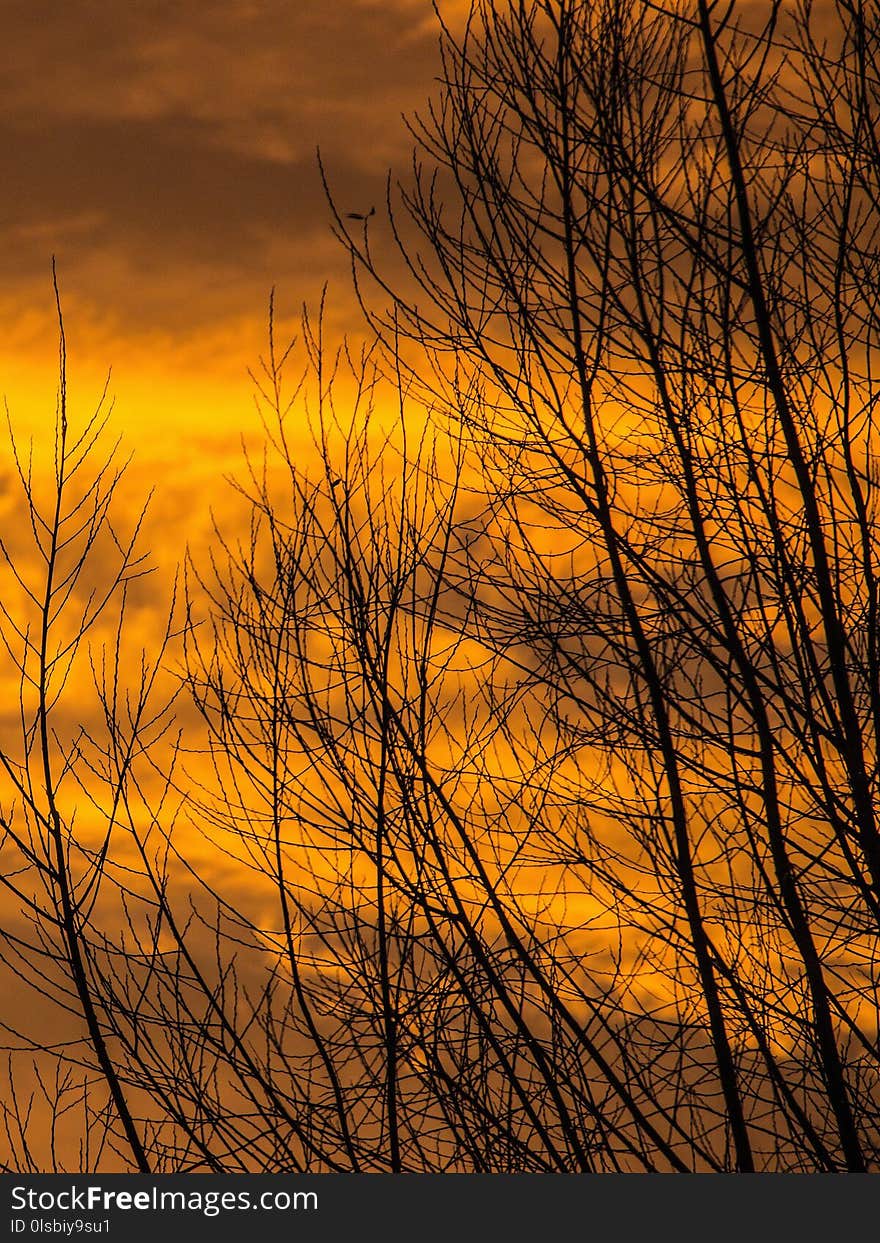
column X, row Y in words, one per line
column 165, row 153
column 468, row 758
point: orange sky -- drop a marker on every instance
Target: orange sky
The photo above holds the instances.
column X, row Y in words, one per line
column 164, row 150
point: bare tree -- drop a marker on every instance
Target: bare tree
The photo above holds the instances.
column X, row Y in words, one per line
column 354, row 747
column 78, row 569
column 639, row 243
column 538, row 692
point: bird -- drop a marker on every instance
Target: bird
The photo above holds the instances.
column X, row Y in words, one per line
column 358, row 215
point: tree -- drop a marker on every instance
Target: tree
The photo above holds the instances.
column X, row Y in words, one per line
column 58, row 866
column 354, row 751
column 640, row 243
column 541, row 714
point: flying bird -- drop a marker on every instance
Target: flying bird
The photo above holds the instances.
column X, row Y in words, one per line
column 357, row 215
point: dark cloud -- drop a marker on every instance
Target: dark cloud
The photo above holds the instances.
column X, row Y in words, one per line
column 149, row 141
column 163, row 196
column 162, row 186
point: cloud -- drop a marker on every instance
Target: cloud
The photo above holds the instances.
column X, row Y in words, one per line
column 159, row 146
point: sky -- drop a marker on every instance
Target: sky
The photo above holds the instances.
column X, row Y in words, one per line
column 165, row 152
